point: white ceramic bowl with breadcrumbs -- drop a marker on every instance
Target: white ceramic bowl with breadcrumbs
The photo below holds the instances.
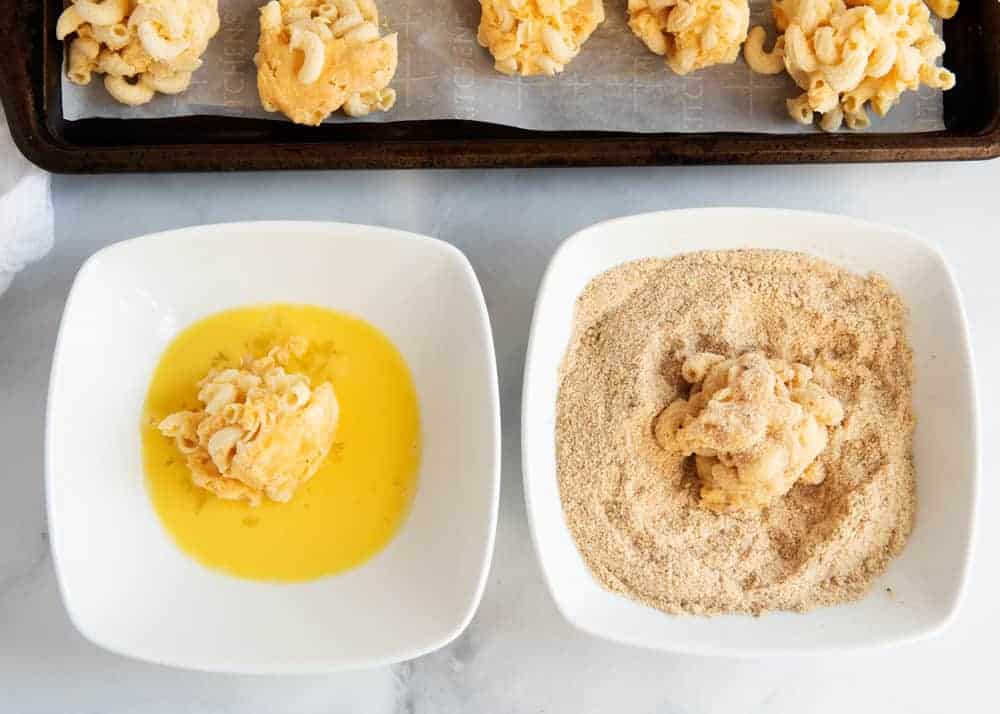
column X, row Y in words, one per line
column 926, row 581
column 128, row 588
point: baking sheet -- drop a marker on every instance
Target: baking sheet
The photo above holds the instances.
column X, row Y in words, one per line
column 614, row 84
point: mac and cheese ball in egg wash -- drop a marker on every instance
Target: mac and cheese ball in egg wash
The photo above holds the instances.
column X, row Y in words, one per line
column 261, row 431
column 281, row 442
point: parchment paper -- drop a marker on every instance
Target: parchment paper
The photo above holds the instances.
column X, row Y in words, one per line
column 614, row 84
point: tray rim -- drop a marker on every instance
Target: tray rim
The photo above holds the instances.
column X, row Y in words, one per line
column 24, row 101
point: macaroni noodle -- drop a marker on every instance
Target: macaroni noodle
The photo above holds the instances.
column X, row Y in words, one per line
column 128, row 93
column 83, row 53
column 114, row 37
column 114, row 64
column 760, row 60
column 106, row 12
column 358, row 105
column 945, row 9
column 68, row 22
column 159, row 46
column 313, row 51
column 168, row 83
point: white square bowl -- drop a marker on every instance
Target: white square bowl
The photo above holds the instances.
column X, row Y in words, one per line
column 129, row 589
column 927, row 579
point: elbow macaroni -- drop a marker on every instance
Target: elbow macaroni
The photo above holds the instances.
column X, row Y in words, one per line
column 132, row 94
column 691, row 34
column 529, row 37
column 141, row 46
column 848, row 58
column 261, row 432
column 82, row 60
column 363, row 103
column 313, row 53
column 68, row 22
column 114, row 37
column 945, row 9
column 106, row 12
column 318, row 56
column 169, row 83
column 760, row 60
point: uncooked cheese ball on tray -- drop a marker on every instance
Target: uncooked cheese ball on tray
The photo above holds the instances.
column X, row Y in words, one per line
column 530, row 37
column 318, row 56
column 691, row 34
column 142, row 47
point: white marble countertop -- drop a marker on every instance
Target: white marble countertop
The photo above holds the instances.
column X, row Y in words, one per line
column 518, row 655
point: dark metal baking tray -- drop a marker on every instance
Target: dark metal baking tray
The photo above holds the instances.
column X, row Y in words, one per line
column 30, row 87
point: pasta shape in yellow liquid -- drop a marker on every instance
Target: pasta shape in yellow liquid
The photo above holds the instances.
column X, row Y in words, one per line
column 356, row 501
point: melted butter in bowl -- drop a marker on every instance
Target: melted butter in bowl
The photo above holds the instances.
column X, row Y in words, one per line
column 358, row 498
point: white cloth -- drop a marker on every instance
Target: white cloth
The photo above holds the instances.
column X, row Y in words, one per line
column 26, row 215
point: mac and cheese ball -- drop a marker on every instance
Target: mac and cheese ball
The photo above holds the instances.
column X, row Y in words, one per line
column 847, row 57
column 262, row 431
column 318, row 56
column 755, row 427
column 142, row 47
column 691, row 34
column 530, row 37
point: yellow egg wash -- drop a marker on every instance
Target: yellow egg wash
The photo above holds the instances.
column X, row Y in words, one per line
column 352, row 507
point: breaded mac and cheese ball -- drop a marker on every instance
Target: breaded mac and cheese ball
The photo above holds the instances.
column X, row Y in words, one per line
column 691, row 34
column 850, row 56
column 318, row 56
column 529, row 37
column 754, row 425
column 142, row 47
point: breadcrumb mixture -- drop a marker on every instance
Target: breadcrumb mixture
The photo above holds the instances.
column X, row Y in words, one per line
column 633, row 507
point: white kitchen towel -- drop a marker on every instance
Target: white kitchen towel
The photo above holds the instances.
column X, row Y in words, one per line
column 26, row 216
